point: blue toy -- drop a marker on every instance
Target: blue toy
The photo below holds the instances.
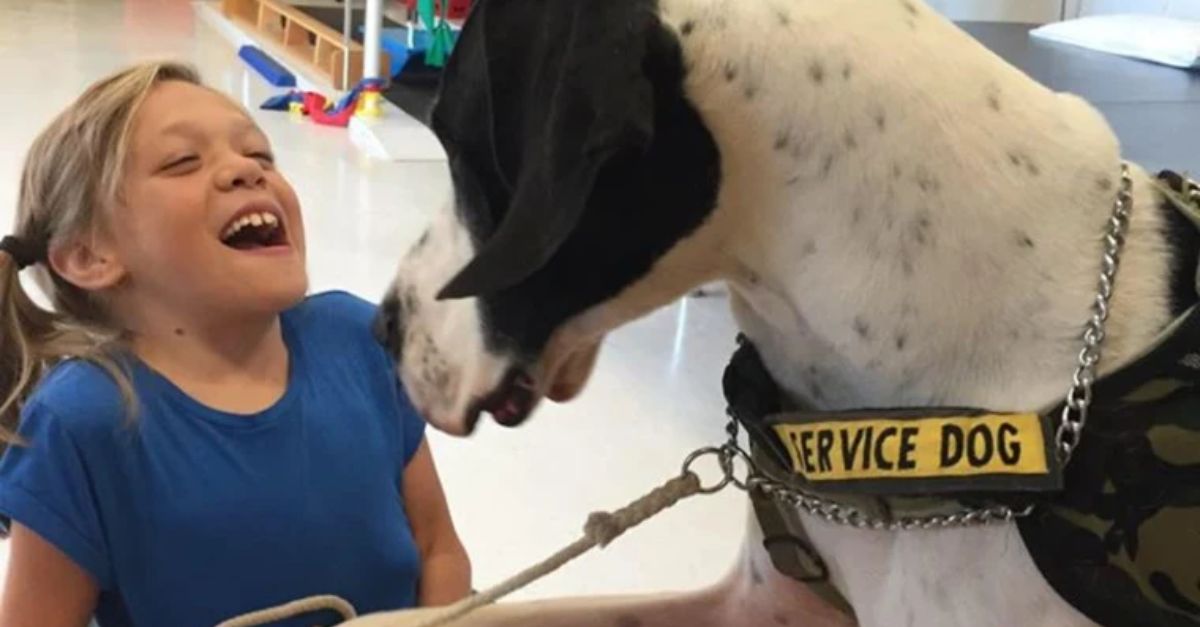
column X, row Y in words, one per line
column 269, row 68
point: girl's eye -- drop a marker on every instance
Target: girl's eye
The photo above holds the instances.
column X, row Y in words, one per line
column 179, row 162
column 265, row 157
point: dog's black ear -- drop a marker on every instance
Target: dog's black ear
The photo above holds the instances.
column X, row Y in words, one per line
column 537, row 97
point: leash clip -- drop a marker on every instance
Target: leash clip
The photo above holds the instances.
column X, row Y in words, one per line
column 728, row 454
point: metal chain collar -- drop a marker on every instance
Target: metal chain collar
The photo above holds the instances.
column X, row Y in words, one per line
column 1073, row 418
column 1079, row 397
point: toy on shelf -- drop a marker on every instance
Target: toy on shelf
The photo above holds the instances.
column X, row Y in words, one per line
column 363, row 98
column 269, row 68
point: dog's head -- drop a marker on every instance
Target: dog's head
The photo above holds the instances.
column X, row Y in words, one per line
column 585, row 184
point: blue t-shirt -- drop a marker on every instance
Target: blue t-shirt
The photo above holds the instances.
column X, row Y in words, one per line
column 189, row 516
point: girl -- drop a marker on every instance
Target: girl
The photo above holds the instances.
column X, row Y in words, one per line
column 197, row 439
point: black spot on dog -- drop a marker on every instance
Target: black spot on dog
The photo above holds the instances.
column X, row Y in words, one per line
column 926, row 180
column 920, row 230
column 850, row 140
column 901, row 341
column 731, row 72
column 810, row 248
column 993, row 98
column 782, row 139
column 897, row 170
column 1024, row 240
column 856, row 215
column 792, row 181
column 750, row 91
column 423, row 241
column 862, row 328
column 628, row 620
column 780, row 619
column 881, row 121
column 1022, row 160
column 783, row 18
column 827, row 164
column 847, row 71
column 179, row 332
column 816, row 72
column 1104, row 184
column 687, row 27
column 910, row 7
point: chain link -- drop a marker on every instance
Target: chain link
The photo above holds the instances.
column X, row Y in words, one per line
column 1074, row 415
column 1079, row 396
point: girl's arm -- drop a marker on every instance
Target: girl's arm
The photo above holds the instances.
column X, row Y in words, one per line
column 43, row 587
column 445, row 568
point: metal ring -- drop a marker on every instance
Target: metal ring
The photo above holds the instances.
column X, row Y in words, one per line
column 732, row 453
column 722, row 459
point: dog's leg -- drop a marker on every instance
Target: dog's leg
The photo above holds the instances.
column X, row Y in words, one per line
column 753, row 594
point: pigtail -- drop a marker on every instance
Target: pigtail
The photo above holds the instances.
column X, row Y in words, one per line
column 25, row 329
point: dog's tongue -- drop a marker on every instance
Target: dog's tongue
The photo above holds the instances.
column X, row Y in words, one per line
column 513, row 402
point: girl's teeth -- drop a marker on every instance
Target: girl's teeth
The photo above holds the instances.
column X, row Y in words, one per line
column 256, row 219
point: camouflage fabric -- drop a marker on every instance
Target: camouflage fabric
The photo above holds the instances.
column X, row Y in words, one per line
column 1121, row 542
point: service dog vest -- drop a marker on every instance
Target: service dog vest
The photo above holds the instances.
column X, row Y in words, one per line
column 1116, row 532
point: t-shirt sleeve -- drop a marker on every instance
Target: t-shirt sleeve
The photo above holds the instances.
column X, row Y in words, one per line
column 412, row 425
column 45, row 486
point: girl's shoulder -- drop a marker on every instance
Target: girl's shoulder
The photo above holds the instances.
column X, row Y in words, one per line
column 80, row 394
column 334, row 320
column 343, row 310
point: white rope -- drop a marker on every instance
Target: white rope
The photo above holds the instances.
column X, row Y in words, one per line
column 600, row 530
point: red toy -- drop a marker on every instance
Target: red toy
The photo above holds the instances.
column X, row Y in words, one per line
column 458, row 8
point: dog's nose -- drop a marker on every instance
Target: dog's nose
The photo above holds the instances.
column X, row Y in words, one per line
column 386, row 326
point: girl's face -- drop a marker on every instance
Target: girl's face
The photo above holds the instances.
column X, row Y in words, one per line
column 205, row 222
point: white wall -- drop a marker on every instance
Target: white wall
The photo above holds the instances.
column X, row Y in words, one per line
column 1038, row 11
column 1178, row 8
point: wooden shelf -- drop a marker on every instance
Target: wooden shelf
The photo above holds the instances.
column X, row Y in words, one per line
column 306, row 41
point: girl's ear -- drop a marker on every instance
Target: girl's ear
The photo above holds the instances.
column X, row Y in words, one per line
column 87, row 262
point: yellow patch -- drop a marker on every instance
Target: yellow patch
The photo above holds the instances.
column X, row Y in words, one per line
column 933, row 447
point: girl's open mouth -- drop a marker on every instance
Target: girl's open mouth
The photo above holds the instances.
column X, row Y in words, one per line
column 254, row 230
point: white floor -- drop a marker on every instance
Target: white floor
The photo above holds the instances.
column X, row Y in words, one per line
column 517, row 495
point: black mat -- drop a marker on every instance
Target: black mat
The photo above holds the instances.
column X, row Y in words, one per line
column 414, row 90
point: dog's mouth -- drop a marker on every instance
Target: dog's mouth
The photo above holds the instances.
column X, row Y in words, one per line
column 519, row 393
column 510, row 404
column 255, row 229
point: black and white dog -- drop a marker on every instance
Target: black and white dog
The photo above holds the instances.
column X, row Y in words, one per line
column 902, row 219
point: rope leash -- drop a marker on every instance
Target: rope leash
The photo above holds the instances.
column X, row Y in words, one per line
column 600, row 530
column 295, row 608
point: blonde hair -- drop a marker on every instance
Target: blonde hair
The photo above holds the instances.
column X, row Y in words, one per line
column 73, row 170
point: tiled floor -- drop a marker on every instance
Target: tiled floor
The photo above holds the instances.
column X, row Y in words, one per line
column 517, row 495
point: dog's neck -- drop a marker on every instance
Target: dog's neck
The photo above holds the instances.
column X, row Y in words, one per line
column 929, row 231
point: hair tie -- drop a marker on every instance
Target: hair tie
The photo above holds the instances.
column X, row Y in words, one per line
column 23, row 252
